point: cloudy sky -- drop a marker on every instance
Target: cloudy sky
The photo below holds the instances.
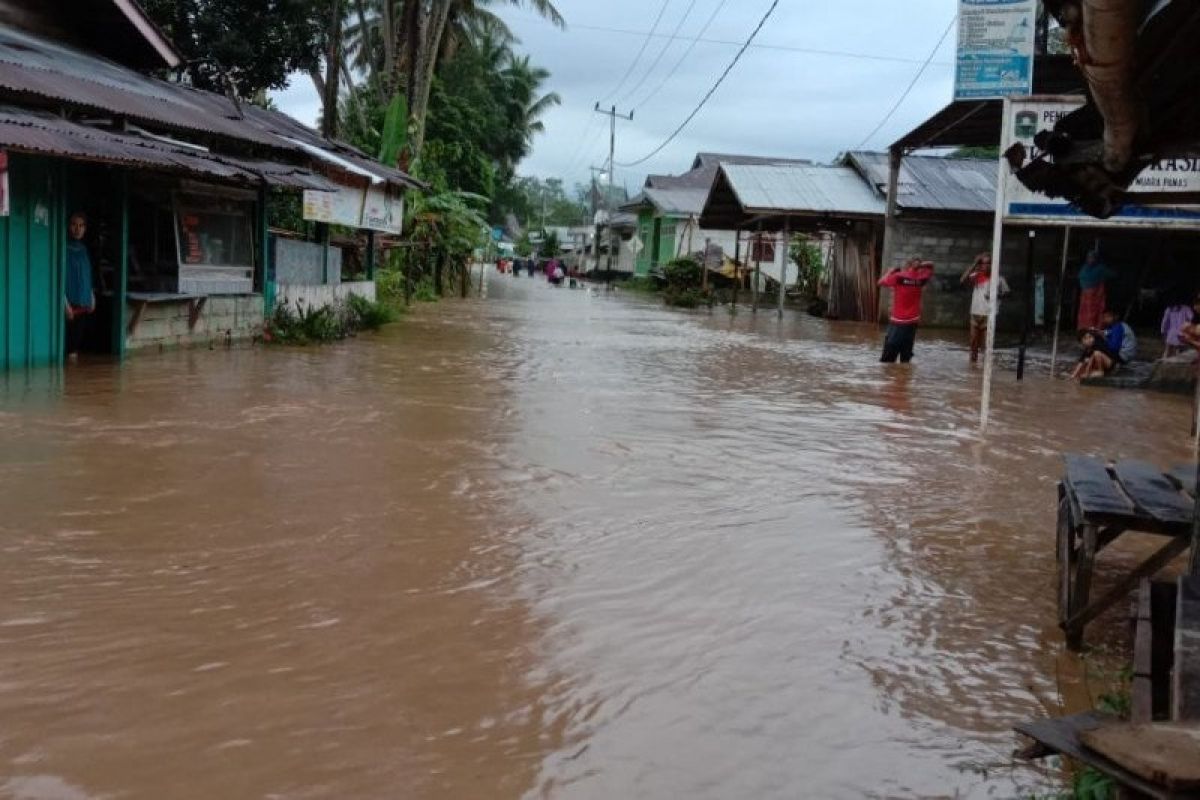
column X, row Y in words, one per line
column 821, row 76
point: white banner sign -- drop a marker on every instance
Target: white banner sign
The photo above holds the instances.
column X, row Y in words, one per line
column 376, row 208
column 1025, row 117
column 995, row 48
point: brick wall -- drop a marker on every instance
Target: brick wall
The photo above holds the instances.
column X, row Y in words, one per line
column 952, row 247
column 222, row 318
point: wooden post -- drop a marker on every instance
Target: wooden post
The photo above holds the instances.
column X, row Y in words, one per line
column 783, row 271
column 704, row 266
column 985, row 403
column 737, row 257
column 1062, row 279
column 756, row 251
column 121, row 288
column 895, row 157
column 323, row 232
column 370, row 255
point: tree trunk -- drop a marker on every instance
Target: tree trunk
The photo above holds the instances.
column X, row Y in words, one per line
column 333, row 60
column 438, row 286
column 421, row 72
column 463, row 284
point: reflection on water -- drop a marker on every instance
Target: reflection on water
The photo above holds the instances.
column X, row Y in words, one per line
column 548, row 544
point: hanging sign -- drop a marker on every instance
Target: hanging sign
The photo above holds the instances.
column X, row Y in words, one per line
column 376, row 207
column 1025, row 117
column 995, row 48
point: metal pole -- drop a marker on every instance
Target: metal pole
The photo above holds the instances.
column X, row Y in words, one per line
column 1028, row 305
column 784, row 269
column 1062, row 279
column 121, row 290
column 994, row 283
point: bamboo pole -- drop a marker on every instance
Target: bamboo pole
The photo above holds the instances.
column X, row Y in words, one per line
column 737, row 256
column 756, row 251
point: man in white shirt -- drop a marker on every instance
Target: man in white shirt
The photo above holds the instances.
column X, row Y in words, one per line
column 979, row 275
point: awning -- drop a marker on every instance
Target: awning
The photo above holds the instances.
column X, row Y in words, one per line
column 34, row 132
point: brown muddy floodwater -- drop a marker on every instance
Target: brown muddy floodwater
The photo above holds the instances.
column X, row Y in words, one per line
column 547, row 544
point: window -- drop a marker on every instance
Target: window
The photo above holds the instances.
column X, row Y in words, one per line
column 214, row 232
column 763, row 250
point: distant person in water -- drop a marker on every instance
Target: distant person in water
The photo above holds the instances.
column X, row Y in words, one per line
column 979, row 277
column 907, row 283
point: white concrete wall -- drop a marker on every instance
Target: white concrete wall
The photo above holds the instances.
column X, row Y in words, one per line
column 727, row 240
column 317, row 296
column 228, row 318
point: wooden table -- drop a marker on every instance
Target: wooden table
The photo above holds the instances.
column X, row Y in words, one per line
column 1097, row 503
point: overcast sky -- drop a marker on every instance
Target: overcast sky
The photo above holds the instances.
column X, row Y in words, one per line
column 822, row 76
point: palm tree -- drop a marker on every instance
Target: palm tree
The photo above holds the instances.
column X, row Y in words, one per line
column 526, row 105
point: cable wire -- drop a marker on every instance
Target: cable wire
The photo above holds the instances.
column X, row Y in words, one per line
column 658, row 59
column 711, row 92
column 691, row 46
column 911, row 84
column 645, row 43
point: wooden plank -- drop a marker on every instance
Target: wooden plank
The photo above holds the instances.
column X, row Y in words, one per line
column 1065, row 557
column 1086, row 612
column 1142, row 690
column 1081, row 591
column 1062, row 736
column 1183, row 476
column 1164, row 754
column 1185, row 676
column 1089, row 481
column 1154, row 493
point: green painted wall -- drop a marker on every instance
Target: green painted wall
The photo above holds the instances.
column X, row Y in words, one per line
column 32, row 241
column 664, row 244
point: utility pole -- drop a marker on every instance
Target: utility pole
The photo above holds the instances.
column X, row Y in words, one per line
column 613, row 116
column 596, row 222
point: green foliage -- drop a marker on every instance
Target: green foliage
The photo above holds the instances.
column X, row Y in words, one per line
column 810, row 269
column 328, row 323
column 394, row 136
column 639, row 283
column 257, row 43
column 683, row 277
column 550, row 246
column 682, row 274
column 424, row 291
column 285, row 210
column 366, row 315
column 1088, row 784
column 523, row 246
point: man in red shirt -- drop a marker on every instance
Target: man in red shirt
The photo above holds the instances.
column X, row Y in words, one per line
column 906, row 284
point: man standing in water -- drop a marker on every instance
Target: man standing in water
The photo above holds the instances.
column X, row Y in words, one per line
column 906, row 284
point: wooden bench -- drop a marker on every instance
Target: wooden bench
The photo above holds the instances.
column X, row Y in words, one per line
column 141, row 300
column 1097, row 503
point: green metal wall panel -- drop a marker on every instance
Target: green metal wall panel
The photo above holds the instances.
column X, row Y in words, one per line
column 665, row 242
column 31, row 265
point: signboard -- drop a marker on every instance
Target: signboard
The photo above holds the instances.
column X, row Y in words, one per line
column 1025, row 117
column 995, row 48
column 376, row 207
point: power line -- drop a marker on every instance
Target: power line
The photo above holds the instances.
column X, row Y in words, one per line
column 911, row 84
column 757, row 46
column 658, row 59
column 711, row 92
column 683, row 58
column 645, row 43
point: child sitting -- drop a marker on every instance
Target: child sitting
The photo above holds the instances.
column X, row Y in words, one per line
column 1097, row 360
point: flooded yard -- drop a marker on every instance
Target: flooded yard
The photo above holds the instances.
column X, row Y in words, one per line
column 550, row 543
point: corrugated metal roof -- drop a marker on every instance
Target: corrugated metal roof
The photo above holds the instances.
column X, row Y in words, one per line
column 33, row 65
column 34, row 132
column 931, row 183
column 802, row 189
column 677, row 202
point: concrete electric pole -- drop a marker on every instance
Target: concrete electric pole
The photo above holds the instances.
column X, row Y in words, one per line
column 613, row 116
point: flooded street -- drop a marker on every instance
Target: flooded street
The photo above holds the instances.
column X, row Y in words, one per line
column 550, row 543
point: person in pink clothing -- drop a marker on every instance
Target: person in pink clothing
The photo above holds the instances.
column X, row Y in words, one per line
column 1175, row 319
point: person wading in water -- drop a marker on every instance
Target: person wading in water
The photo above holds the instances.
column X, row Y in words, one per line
column 906, row 284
